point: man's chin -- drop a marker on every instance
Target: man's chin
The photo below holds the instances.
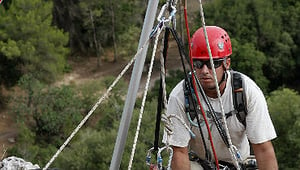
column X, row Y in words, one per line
column 208, row 87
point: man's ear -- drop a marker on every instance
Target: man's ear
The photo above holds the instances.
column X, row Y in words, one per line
column 227, row 63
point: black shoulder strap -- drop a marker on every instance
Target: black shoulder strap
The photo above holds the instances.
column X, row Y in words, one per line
column 238, row 95
column 189, row 97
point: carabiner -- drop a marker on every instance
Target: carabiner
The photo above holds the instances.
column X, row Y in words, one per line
column 148, row 157
column 160, row 160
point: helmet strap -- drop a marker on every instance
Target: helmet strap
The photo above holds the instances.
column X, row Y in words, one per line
column 224, row 77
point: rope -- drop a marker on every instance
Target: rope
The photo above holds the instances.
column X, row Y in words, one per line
column 162, row 99
column 95, row 106
column 144, row 98
column 163, row 78
column 196, row 93
column 182, row 56
column 232, row 148
column 15, row 163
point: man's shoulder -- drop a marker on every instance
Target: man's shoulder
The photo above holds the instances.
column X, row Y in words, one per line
column 246, row 80
column 179, row 86
column 178, row 89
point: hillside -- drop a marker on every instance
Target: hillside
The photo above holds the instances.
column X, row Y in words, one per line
column 85, row 69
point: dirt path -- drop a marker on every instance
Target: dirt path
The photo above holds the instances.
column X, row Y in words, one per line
column 8, row 133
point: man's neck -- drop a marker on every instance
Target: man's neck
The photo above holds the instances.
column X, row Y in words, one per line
column 212, row 93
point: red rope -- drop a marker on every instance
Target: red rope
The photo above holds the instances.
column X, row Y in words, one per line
column 194, row 86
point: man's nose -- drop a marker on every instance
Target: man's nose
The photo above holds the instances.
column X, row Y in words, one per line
column 204, row 69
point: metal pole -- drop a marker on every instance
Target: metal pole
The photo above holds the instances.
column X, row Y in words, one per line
column 133, row 87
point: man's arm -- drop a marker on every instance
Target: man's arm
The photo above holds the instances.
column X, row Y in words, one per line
column 180, row 159
column 265, row 156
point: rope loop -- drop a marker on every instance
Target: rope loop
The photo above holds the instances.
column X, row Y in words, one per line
column 168, row 124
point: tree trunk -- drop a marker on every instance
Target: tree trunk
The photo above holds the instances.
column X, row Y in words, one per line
column 113, row 30
column 97, row 44
column 181, row 20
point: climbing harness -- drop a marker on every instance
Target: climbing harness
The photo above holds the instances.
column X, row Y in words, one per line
column 239, row 97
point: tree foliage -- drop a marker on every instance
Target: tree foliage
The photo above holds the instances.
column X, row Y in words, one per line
column 29, row 43
column 53, row 110
column 253, row 66
column 284, row 106
column 264, row 26
column 93, row 148
column 265, row 38
column 75, row 17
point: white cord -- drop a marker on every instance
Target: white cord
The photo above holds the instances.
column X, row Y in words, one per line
column 144, row 100
column 231, row 149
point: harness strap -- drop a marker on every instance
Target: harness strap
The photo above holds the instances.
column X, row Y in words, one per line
column 239, row 100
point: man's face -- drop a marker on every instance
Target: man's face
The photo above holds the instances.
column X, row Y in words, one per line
column 205, row 73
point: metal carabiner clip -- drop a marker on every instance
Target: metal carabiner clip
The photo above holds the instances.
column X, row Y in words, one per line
column 160, row 16
column 148, row 157
column 160, row 159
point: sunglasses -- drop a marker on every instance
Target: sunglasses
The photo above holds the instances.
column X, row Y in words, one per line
column 200, row 63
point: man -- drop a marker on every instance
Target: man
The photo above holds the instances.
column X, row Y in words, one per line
column 259, row 129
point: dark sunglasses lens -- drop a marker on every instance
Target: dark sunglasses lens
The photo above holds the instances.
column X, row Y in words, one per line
column 218, row 63
column 200, row 63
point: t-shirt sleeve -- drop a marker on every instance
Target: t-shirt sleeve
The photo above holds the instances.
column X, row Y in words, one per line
column 259, row 126
column 180, row 136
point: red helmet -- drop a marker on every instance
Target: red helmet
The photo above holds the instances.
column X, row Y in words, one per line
column 219, row 42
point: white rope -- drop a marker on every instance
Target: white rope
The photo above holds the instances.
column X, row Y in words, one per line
column 163, row 76
column 95, row 106
column 157, row 30
column 144, row 99
column 232, row 149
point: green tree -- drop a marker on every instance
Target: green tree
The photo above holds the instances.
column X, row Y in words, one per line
column 92, row 150
column 97, row 25
column 53, row 110
column 284, row 107
column 67, row 16
column 29, row 43
column 242, row 60
column 267, row 26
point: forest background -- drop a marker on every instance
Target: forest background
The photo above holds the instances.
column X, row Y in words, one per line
column 41, row 41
